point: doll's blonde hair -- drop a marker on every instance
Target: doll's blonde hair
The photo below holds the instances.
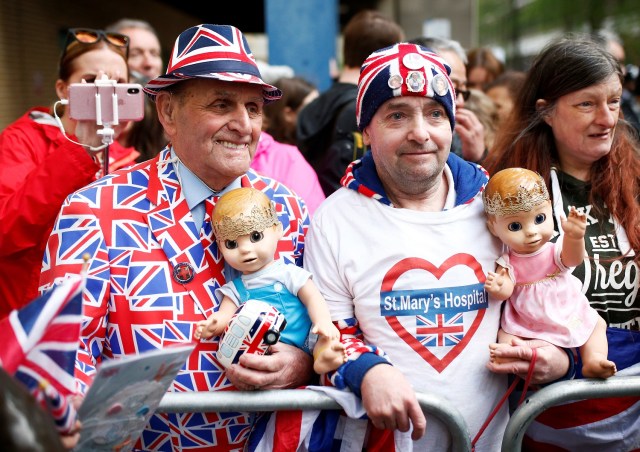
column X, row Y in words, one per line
column 242, row 211
column 514, row 190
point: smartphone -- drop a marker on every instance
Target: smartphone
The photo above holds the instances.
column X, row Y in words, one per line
column 91, row 102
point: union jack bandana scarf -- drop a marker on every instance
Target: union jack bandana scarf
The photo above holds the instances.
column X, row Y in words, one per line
column 469, row 178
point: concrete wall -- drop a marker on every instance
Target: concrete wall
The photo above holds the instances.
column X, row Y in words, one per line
column 461, row 14
column 32, row 35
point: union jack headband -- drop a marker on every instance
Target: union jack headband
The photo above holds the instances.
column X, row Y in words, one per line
column 218, row 52
column 403, row 70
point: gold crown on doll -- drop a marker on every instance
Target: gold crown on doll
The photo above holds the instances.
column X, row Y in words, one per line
column 523, row 201
column 259, row 219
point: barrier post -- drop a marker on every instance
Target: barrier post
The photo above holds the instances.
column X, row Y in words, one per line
column 561, row 392
column 304, row 399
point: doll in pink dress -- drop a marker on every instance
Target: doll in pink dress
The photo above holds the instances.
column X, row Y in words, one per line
column 544, row 300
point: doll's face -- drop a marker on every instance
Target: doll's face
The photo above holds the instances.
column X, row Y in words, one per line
column 252, row 252
column 524, row 232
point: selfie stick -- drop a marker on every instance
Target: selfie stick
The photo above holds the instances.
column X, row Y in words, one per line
column 106, row 131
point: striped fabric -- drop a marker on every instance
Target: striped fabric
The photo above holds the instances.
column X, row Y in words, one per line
column 39, row 344
column 219, row 52
column 594, row 424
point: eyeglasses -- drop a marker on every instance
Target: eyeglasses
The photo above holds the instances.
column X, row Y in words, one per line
column 465, row 93
column 91, row 36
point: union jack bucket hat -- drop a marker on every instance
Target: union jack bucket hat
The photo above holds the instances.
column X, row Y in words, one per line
column 403, row 70
column 218, row 52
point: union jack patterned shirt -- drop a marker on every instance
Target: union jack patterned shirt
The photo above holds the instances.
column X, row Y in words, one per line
column 136, row 226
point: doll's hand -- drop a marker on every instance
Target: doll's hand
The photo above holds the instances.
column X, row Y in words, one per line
column 328, row 355
column 576, row 225
column 493, row 283
column 208, row 328
column 326, row 329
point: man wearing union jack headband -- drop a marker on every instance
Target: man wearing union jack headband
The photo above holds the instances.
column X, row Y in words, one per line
column 400, row 253
column 154, row 264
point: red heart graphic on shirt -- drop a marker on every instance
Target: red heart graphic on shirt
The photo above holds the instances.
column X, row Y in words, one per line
column 407, row 264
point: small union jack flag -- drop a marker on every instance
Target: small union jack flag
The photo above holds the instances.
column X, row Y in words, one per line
column 219, row 52
column 439, row 331
column 39, row 347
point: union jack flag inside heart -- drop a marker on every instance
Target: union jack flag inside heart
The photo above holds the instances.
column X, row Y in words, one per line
column 219, row 52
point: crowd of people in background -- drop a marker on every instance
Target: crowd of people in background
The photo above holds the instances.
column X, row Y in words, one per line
column 377, row 190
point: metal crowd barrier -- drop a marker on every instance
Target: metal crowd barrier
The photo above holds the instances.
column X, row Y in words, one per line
column 561, row 392
column 304, row 399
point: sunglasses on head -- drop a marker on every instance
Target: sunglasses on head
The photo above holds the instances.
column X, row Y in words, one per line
column 91, row 36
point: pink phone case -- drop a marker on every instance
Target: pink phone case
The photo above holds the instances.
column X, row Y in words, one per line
column 82, row 102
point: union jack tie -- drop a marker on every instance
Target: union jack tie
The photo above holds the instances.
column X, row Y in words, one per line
column 211, row 252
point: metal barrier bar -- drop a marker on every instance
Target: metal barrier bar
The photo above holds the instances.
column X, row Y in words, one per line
column 557, row 393
column 304, row 399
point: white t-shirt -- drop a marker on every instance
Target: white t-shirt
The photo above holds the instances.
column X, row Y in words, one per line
column 415, row 282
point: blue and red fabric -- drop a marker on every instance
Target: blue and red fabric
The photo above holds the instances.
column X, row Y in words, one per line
column 392, row 71
column 39, row 344
column 594, row 424
column 137, row 227
column 218, row 52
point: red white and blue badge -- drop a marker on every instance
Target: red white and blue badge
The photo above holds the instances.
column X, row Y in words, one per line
column 183, row 272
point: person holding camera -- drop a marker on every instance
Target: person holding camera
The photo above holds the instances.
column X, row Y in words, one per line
column 41, row 167
column 154, row 265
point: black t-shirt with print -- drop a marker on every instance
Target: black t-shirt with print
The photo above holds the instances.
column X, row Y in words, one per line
column 610, row 285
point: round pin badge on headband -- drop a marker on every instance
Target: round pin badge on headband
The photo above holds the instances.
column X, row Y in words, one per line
column 395, row 81
column 415, row 81
column 183, row 272
column 412, row 61
column 440, row 85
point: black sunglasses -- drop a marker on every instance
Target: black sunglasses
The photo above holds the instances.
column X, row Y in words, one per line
column 91, row 36
column 465, row 93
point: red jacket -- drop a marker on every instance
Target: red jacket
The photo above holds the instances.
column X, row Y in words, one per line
column 39, row 168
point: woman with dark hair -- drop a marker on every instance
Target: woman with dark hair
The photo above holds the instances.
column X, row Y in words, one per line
column 281, row 117
column 504, row 91
column 566, row 125
column 483, row 67
column 41, row 166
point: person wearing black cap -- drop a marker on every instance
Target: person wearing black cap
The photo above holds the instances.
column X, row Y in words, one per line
column 154, row 264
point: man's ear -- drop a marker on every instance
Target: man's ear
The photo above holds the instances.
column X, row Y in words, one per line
column 541, row 104
column 365, row 137
column 165, row 106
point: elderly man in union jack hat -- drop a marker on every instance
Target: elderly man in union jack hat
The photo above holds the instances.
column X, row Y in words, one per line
column 154, row 265
column 411, row 282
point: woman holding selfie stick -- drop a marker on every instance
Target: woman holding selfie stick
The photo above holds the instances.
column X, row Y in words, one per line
column 44, row 159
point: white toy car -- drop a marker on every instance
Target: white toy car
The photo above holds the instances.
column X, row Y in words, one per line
column 253, row 328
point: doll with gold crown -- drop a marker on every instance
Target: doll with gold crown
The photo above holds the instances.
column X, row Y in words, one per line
column 544, row 300
column 247, row 230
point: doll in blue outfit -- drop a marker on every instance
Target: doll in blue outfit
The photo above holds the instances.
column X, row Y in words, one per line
column 247, row 229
